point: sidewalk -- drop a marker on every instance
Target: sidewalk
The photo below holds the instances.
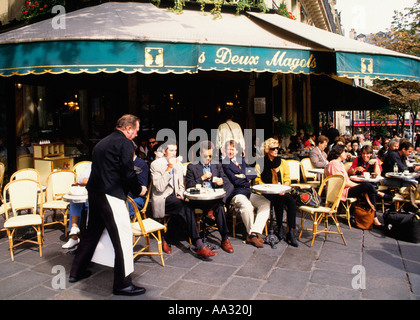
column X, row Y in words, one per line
column 324, row 271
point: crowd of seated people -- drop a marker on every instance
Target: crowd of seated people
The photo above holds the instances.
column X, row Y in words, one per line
column 158, row 163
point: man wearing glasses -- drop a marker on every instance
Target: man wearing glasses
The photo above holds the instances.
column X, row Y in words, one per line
column 150, row 150
column 205, row 173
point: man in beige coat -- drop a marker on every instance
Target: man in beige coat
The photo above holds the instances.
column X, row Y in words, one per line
column 168, row 197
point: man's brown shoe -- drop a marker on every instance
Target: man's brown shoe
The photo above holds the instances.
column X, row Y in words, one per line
column 205, row 252
column 254, row 241
column 166, row 247
column 227, row 246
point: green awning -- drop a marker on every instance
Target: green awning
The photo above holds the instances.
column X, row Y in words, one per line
column 139, row 37
column 94, row 56
column 352, row 58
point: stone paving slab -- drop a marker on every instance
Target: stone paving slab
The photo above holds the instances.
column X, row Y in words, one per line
column 321, row 272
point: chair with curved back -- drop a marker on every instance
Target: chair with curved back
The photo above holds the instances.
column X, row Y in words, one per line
column 23, row 195
column 334, row 185
column 309, row 177
column 144, row 227
column 294, row 168
column 80, row 167
column 58, row 184
column 27, row 173
column 25, row 161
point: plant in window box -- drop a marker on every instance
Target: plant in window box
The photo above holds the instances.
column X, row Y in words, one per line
column 284, row 12
column 33, row 9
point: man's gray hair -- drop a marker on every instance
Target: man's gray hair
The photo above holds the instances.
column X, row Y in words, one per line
column 127, row 120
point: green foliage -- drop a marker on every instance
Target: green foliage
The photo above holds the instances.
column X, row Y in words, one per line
column 33, row 9
column 283, row 128
column 241, row 5
column 284, row 12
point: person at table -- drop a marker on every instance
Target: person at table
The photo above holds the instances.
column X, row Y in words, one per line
column 354, row 151
column 240, row 174
column 317, row 154
column 398, row 157
column 111, row 178
column 273, row 169
column 142, row 171
column 204, row 173
column 384, row 149
column 365, row 163
column 351, row 189
column 168, row 198
column 75, row 212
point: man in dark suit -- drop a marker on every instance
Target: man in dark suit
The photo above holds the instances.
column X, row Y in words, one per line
column 240, row 174
column 204, row 173
column 112, row 177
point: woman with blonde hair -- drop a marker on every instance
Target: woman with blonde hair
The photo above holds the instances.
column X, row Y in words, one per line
column 272, row 169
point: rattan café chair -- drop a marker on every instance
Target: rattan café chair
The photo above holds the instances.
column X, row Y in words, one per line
column 143, row 228
column 22, row 196
column 335, row 187
column 58, row 184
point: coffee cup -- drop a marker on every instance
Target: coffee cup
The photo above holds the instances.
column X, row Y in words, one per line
column 366, row 175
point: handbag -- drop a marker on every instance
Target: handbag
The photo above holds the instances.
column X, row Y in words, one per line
column 306, row 197
column 402, row 226
column 364, row 213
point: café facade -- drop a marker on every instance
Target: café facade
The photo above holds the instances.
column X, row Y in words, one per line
column 70, row 77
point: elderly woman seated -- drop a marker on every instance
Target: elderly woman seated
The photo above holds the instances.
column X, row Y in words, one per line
column 272, row 169
column 351, row 189
column 365, row 163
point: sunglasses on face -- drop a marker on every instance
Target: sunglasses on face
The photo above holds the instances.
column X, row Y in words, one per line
column 275, row 148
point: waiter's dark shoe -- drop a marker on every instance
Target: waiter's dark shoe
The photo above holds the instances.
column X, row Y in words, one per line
column 131, row 290
column 84, row 275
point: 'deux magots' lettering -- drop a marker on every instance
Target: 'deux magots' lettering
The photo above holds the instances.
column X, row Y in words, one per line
column 282, row 61
column 226, row 56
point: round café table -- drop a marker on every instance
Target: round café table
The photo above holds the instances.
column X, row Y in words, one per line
column 271, row 189
column 360, row 178
column 80, row 197
column 411, row 177
column 319, row 171
column 206, row 194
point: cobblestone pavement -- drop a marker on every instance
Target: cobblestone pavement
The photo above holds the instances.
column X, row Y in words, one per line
column 371, row 266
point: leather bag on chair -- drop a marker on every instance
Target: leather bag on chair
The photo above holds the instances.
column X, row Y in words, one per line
column 306, row 197
column 364, row 213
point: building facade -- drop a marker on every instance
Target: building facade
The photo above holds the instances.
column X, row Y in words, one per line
column 80, row 109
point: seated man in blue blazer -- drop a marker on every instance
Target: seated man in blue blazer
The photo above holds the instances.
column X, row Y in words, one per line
column 240, row 174
column 203, row 173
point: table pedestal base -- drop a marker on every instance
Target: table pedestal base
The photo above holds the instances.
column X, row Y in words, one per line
column 272, row 240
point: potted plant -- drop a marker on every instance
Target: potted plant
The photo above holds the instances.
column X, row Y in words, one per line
column 284, row 129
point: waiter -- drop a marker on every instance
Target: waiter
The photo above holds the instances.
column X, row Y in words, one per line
column 112, row 177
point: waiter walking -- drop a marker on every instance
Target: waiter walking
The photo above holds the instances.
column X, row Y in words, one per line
column 112, row 177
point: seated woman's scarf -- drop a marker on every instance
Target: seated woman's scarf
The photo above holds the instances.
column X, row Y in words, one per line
column 269, row 175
